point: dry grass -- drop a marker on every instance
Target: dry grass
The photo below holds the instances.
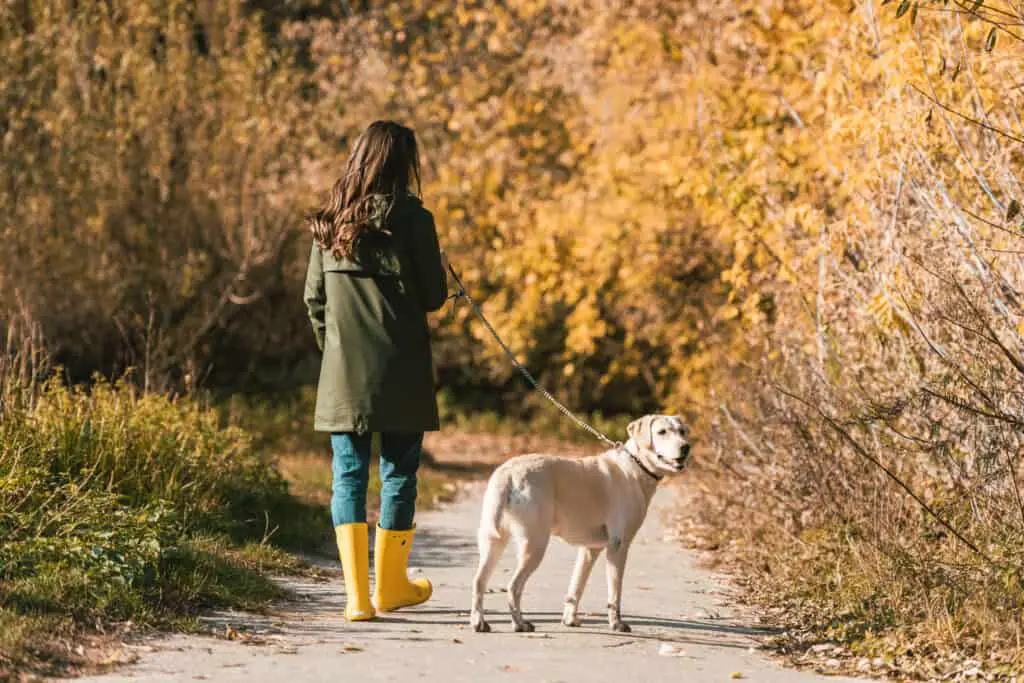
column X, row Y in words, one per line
column 847, row 604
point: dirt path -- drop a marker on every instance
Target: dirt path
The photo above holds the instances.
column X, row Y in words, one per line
column 683, row 627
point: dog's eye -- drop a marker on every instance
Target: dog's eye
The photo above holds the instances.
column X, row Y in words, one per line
column 661, row 432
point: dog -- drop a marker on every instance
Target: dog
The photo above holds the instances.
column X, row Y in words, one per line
column 593, row 503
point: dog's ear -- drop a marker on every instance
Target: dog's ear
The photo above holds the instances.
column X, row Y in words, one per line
column 640, row 431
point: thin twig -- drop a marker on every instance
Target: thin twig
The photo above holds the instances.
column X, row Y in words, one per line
column 862, row 452
column 970, row 119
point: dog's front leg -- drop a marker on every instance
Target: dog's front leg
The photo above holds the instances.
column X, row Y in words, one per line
column 616, row 565
column 584, row 563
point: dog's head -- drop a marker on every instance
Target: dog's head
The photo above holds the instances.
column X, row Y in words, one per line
column 662, row 441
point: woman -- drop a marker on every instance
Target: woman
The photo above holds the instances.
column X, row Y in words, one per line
column 374, row 272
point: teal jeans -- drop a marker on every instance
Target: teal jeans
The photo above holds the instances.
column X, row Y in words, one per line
column 399, row 460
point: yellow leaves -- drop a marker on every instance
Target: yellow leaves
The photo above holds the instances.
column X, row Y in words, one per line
column 585, row 328
column 728, row 312
column 881, row 307
column 613, row 191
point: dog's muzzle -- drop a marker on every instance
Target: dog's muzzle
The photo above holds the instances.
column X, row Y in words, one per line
column 684, row 455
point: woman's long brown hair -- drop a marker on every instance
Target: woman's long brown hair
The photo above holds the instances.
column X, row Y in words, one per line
column 385, row 161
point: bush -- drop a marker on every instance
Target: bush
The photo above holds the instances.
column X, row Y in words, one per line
column 118, row 505
column 866, row 459
column 151, row 187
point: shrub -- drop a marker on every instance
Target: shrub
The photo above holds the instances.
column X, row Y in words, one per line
column 118, row 505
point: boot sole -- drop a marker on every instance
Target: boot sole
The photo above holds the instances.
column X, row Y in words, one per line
column 392, row 608
column 362, row 616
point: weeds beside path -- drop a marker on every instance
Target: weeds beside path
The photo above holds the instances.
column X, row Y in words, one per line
column 122, row 511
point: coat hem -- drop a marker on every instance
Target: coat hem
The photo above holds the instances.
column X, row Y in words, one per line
column 351, row 427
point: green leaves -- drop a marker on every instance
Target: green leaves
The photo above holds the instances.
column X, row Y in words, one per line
column 906, row 6
column 990, row 41
column 1013, row 210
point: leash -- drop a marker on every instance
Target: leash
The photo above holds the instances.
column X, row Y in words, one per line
column 462, row 293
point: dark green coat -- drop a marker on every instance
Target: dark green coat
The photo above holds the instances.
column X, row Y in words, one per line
column 369, row 316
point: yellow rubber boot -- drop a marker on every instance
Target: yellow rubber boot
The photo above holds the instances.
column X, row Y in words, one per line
column 391, row 558
column 354, row 549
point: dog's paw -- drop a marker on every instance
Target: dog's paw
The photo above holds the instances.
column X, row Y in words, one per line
column 525, row 627
column 621, row 627
column 572, row 623
column 482, row 627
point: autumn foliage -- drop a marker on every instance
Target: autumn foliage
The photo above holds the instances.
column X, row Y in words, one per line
column 796, row 222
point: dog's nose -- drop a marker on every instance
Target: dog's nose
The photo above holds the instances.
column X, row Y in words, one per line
column 686, row 449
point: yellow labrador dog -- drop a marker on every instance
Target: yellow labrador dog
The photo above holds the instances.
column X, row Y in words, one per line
column 592, row 503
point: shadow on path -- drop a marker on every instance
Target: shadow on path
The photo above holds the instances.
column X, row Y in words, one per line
column 442, row 548
column 320, row 619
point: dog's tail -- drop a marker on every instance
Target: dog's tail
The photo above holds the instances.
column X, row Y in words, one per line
column 494, row 506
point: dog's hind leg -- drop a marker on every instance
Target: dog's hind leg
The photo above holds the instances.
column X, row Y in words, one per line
column 491, row 547
column 584, row 563
column 530, row 553
column 616, row 565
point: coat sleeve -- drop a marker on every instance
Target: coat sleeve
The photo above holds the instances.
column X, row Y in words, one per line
column 315, row 294
column 429, row 277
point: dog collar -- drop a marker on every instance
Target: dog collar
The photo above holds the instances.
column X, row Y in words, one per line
column 641, row 465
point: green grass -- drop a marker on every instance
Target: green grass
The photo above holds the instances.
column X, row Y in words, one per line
column 44, row 615
column 117, row 507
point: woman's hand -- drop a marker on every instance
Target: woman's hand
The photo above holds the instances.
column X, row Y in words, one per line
column 444, row 261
